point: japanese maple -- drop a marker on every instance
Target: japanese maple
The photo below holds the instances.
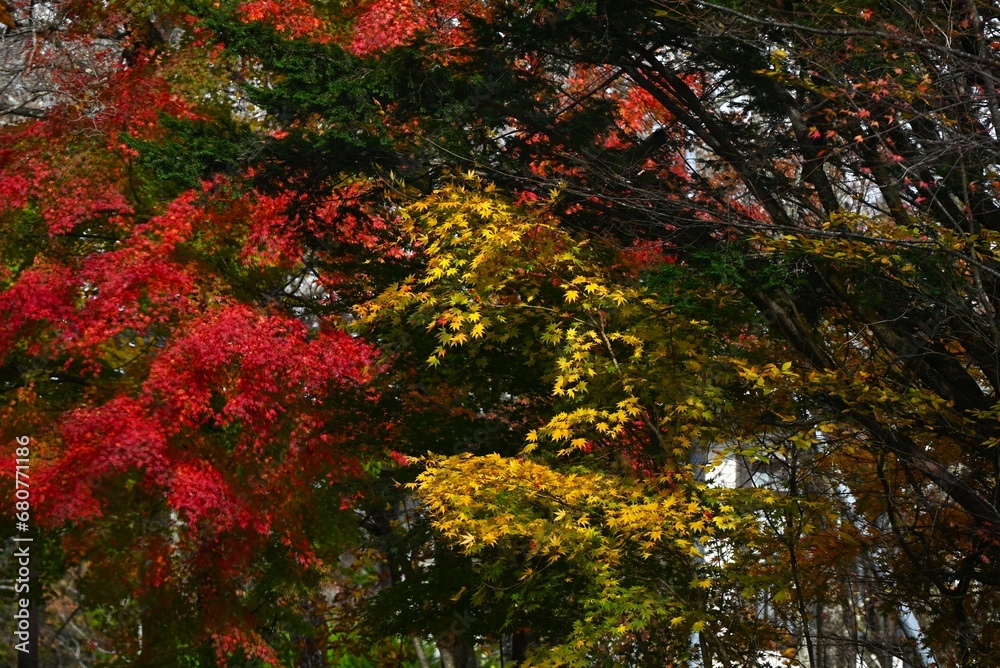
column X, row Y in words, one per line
column 763, row 231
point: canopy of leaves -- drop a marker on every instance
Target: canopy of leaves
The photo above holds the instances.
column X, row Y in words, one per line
column 480, row 289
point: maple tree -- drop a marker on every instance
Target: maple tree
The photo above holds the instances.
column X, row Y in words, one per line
column 179, row 407
column 248, row 286
column 500, row 282
column 822, row 183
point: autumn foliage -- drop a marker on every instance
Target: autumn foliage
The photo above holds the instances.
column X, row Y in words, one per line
column 563, row 333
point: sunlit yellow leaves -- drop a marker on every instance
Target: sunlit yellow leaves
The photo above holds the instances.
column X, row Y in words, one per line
column 475, row 499
column 594, row 524
column 631, row 384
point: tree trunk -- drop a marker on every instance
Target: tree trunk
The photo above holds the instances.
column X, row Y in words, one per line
column 456, row 651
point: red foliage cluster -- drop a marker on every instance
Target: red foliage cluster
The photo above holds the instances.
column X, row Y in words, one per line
column 162, row 392
column 236, row 392
column 70, row 183
column 380, row 25
column 91, row 298
column 643, row 255
column 384, row 24
column 294, row 18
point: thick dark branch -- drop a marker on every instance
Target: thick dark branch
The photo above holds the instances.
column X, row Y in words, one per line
column 20, row 110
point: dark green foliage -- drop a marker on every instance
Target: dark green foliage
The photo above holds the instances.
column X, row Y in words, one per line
column 192, row 151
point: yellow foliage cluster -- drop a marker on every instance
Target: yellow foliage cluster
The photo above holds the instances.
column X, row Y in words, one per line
column 597, row 525
column 629, row 377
